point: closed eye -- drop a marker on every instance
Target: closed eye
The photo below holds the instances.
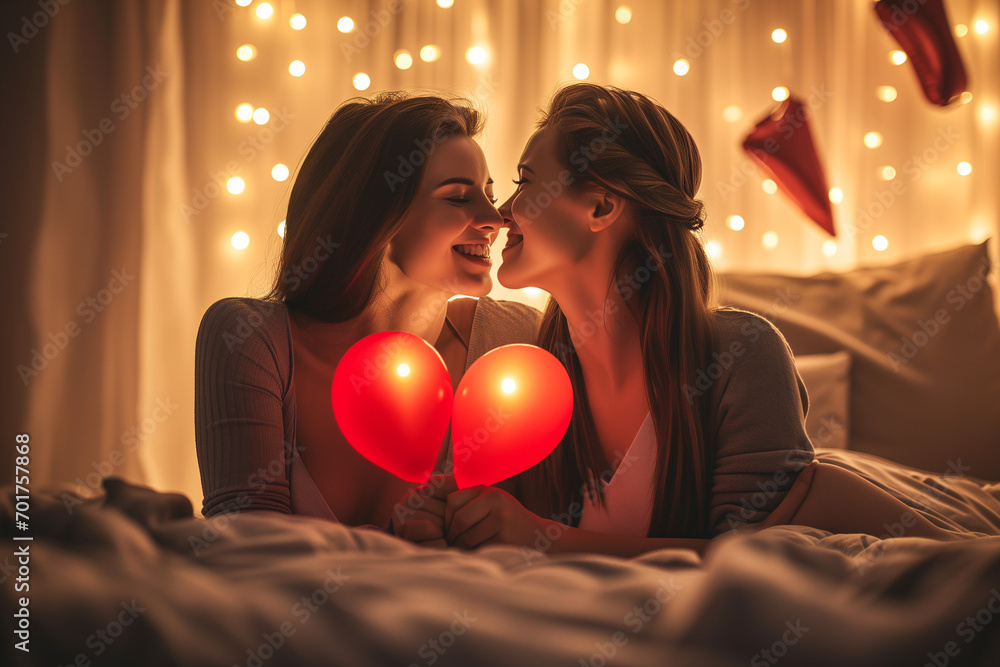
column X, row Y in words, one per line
column 519, row 182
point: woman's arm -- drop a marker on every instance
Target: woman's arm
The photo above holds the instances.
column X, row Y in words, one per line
column 239, row 425
column 482, row 515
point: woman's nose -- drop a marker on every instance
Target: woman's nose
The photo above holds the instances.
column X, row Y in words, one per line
column 488, row 218
column 505, row 213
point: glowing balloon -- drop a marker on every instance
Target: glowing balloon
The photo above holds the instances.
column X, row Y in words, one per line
column 392, row 399
column 511, row 409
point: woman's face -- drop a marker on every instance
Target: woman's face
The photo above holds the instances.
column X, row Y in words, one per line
column 549, row 230
column 445, row 239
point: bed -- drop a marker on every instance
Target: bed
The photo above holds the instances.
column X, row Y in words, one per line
column 134, row 577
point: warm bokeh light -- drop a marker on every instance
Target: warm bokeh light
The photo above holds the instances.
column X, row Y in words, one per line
column 243, row 3
column 897, row 57
column 261, row 116
column 779, row 36
column 244, row 112
column 296, row 68
column 281, row 229
column 430, row 53
column 829, row 248
column 623, row 14
column 362, row 81
column 445, row 4
column 713, row 249
column 581, row 71
column 769, row 186
column 987, row 113
column 965, row 97
column 240, row 240
column 779, row 94
column 886, row 93
column 246, row 52
column 732, row 113
column 980, row 231
column 279, row 172
column 403, row 59
column 345, row 24
column 297, row 21
column 961, row 30
column 873, row 139
column 964, row 168
column 476, row 55
column 532, row 291
column 235, row 185
column 769, row 239
column 880, row 243
column 681, row 67
column 836, row 195
column 887, row 173
column 264, row 10
column 735, row 222
column 982, row 26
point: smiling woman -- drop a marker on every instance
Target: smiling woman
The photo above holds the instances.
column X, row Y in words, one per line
column 391, row 216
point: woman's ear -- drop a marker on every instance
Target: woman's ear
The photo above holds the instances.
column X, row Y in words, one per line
column 607, row 208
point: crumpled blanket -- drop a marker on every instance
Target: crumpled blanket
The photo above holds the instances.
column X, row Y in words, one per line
column 132, row 578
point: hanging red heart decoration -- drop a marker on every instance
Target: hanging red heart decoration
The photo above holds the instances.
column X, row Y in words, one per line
column 512, row 408
column 392, row 399
column 923, row 32
column 783, row 146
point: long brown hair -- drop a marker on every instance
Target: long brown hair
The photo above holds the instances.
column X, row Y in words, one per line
column 351, row 194
column 644, row 155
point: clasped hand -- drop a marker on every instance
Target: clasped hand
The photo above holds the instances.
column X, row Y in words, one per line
column 439, row 514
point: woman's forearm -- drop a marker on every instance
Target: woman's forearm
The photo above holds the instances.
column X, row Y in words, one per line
column 566, row 539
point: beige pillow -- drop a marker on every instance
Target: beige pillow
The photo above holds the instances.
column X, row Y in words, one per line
column 827, row 378
column 925, row 347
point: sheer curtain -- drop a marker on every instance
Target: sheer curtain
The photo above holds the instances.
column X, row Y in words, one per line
column 149, row 201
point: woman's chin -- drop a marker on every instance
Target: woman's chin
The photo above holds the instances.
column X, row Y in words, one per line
column 467, row 285
column 508, row 277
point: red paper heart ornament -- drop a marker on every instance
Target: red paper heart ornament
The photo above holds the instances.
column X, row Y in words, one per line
column 922, row 31
column 783, row 146
column 511, row 409
column 392, row 400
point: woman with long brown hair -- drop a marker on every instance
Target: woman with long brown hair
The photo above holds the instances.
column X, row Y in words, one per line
column 688, row 418
column 390, row 216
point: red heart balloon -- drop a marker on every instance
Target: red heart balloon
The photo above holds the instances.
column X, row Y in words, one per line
column 512, row 408
column 392, row 399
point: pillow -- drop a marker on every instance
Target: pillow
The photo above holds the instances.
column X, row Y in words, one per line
column 827, row 378
column 925, row 352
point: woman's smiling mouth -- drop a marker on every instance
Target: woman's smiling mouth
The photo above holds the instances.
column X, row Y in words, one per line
column 513, row 239
column 478, row 253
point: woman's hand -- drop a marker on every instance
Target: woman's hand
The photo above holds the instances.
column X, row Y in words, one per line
column 419, row 515
column 483, row 515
